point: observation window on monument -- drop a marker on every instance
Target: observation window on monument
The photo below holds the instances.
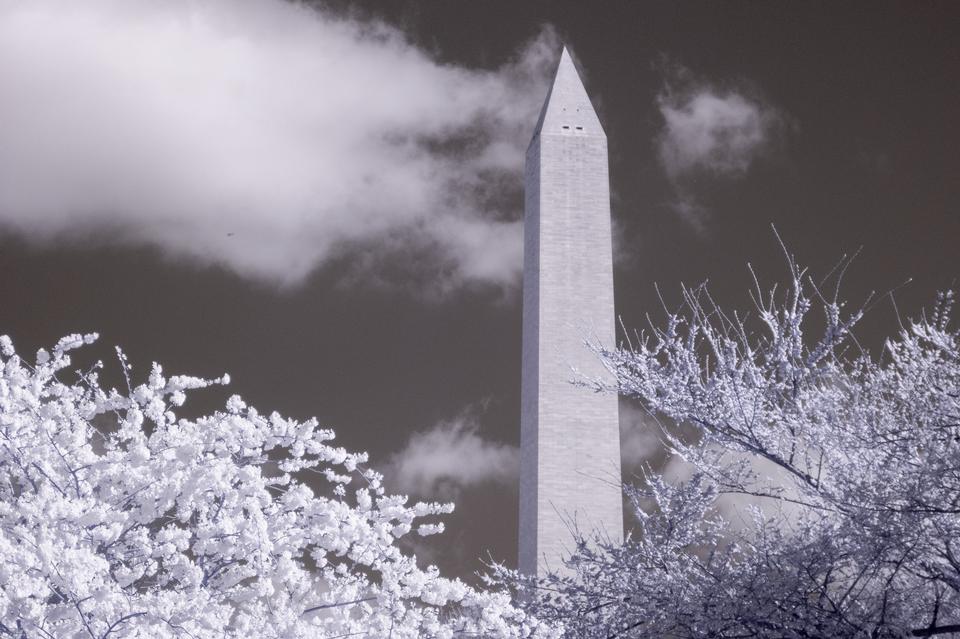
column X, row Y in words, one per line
column 579, row 128
column 565, row 126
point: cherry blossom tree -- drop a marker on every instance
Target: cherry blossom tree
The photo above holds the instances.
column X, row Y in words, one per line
column 120, row 519
column 846, row 466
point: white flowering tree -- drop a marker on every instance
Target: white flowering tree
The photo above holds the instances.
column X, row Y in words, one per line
column 120, row 519
column 846, row 466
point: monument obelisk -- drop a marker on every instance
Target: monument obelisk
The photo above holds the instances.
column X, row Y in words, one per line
column 570, row 439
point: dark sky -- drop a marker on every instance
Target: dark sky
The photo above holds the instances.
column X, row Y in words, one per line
column 864, row 152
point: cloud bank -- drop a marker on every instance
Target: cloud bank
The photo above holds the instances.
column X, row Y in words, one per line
column 710, row 133
column 440, row 462
column 262, row 136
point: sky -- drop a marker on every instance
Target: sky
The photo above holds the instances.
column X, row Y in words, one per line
column 325, row 199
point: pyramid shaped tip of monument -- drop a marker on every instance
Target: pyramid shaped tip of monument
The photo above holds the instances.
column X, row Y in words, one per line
column 567, row 109
column 565, row 55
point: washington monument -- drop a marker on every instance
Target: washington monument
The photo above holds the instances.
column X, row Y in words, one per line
column 570, row 438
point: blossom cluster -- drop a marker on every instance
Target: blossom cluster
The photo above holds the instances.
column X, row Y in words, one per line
column 119, row 518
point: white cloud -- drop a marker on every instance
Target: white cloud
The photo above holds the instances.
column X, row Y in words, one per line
column 640, row 439
column 689, row 209
column 736, row 508
column 452, row 455
column 720, row 133
column 710, row 132
column 260, row 135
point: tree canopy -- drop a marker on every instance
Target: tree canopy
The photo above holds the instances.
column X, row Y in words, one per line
column 845, row 466
column 118, row 518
